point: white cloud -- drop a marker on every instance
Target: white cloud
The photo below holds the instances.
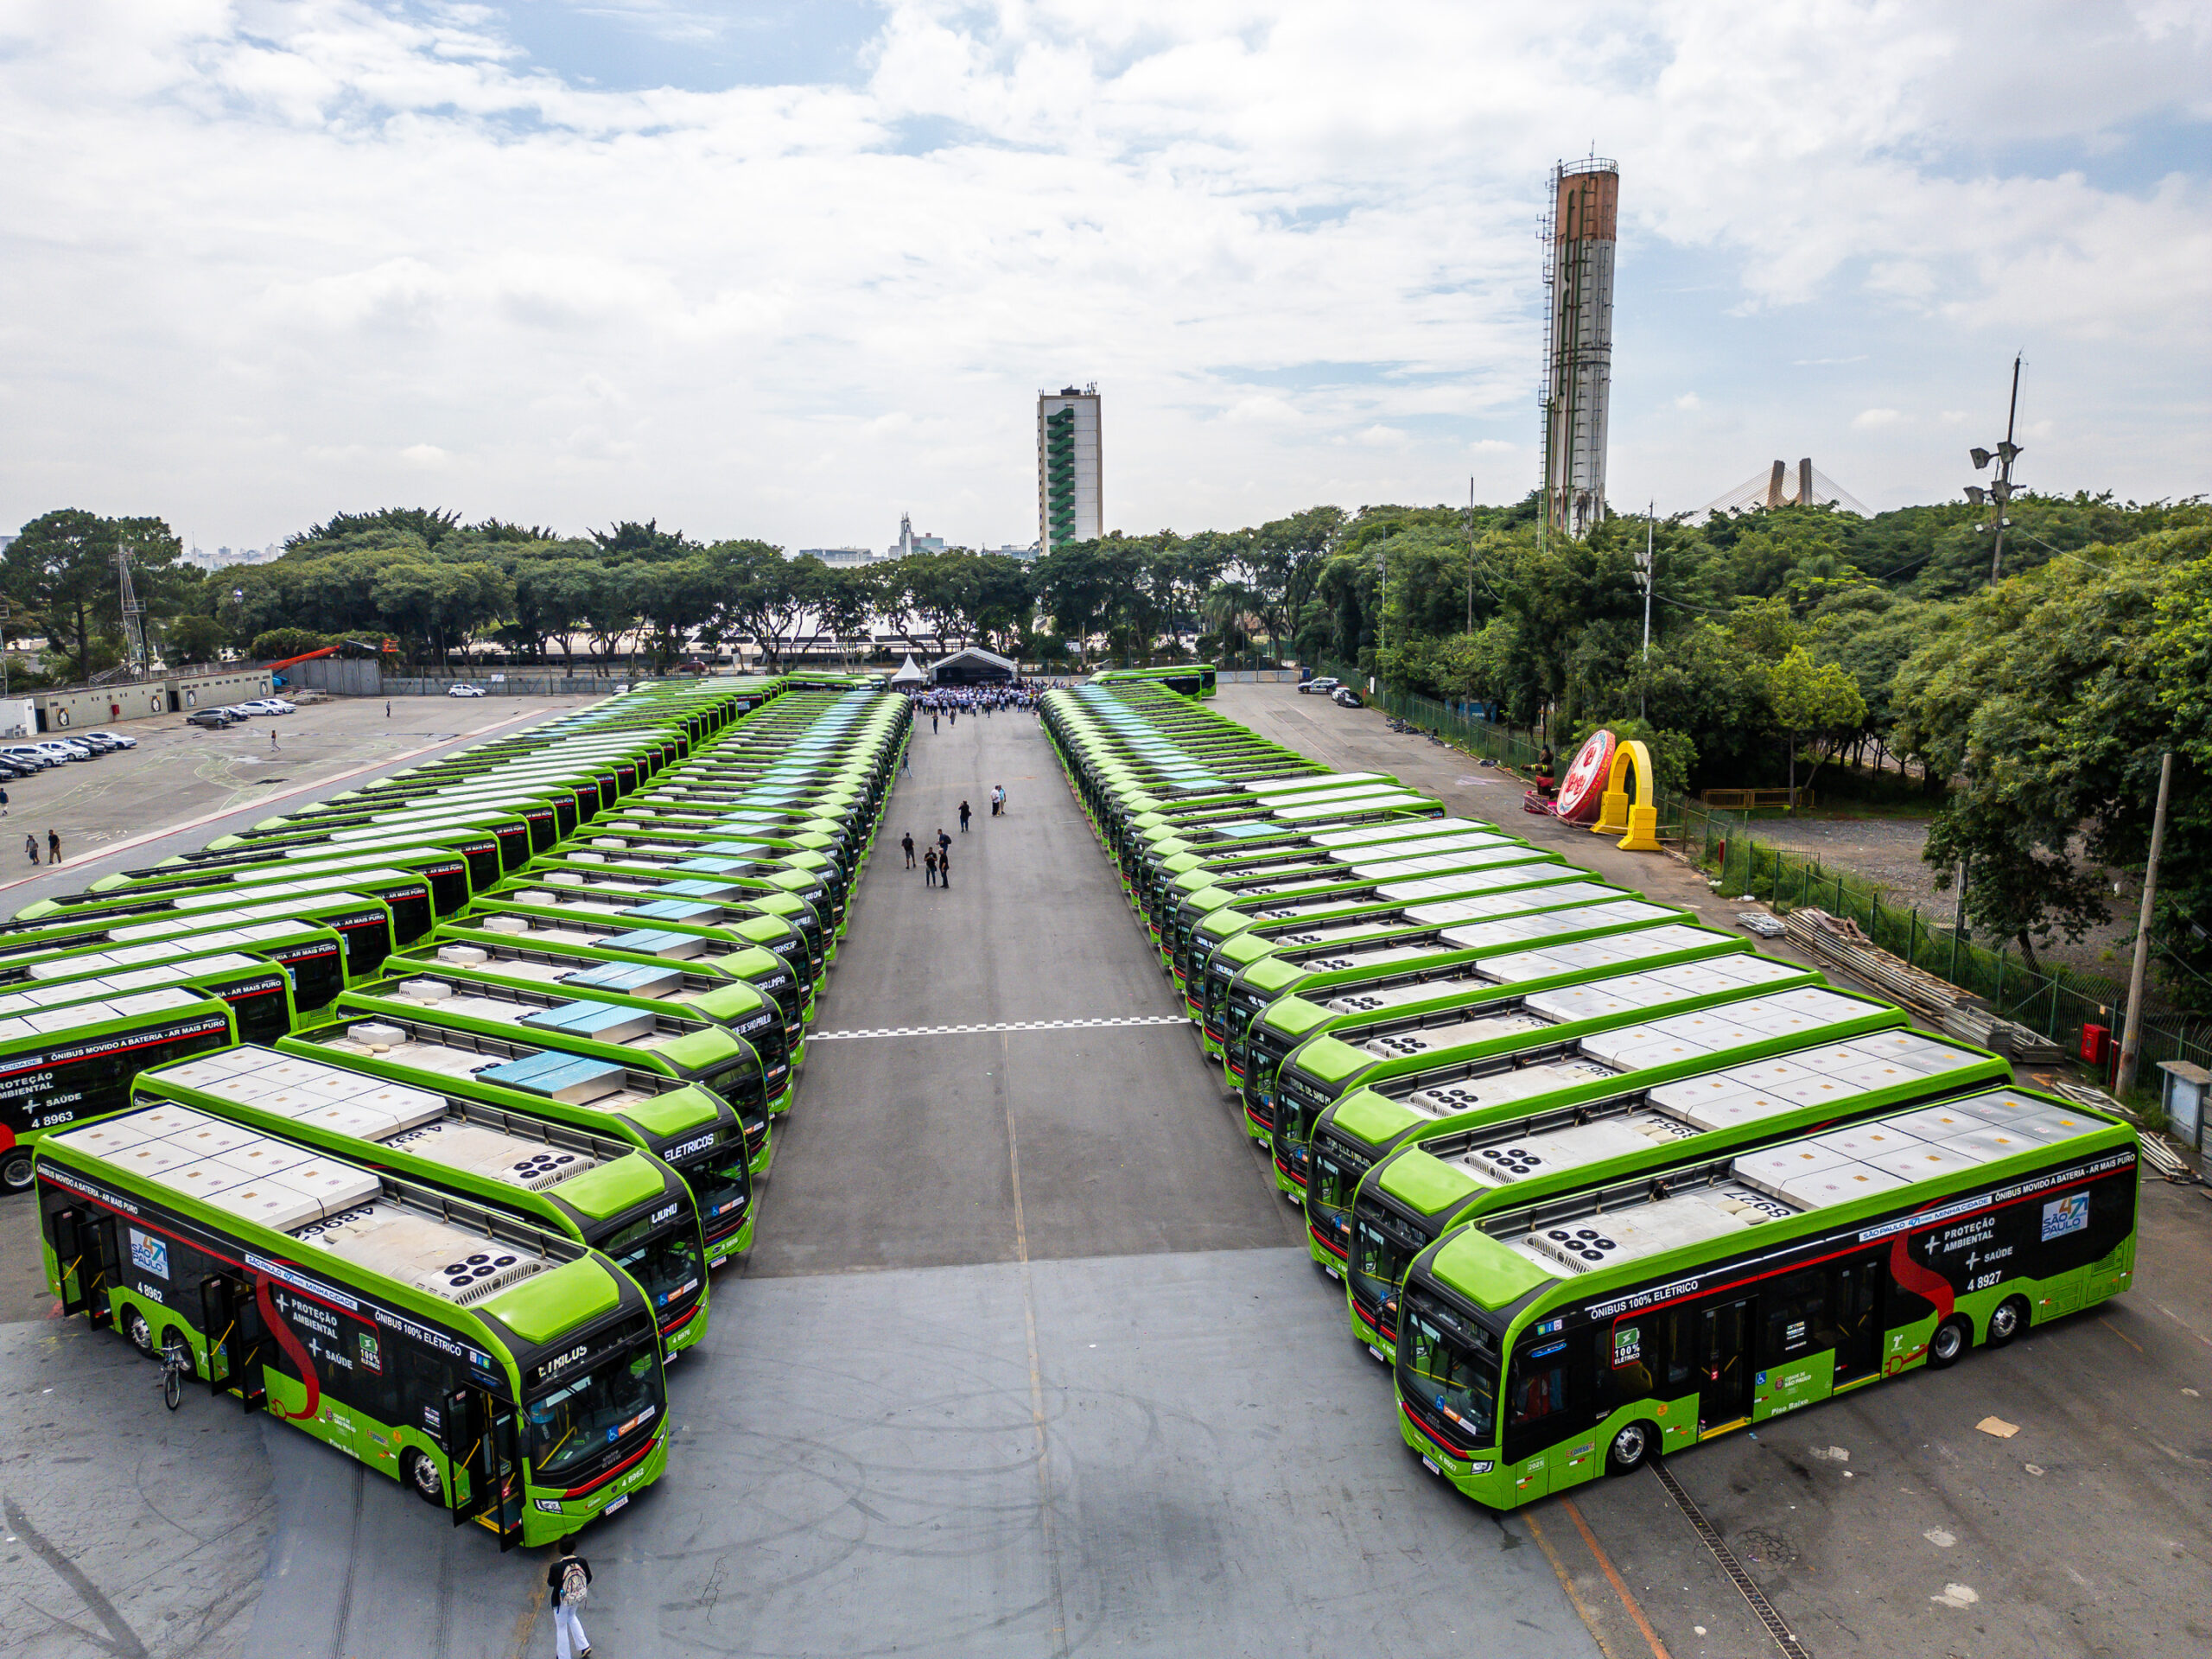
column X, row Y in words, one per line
column 260, row 259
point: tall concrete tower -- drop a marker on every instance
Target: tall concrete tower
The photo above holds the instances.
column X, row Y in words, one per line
column 1071, row 489
column 1580, row 227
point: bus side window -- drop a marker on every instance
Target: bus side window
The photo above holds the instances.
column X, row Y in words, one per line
column 1793, row 1307
column 1675, row 1351
column 1539, row 1382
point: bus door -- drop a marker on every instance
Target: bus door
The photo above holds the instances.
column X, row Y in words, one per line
column 230, row 1316
column 84, row 1244
column 483, row 1440
column 1724, row 1366
column 1859, row 1319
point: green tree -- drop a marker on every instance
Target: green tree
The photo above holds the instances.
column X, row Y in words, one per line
column 761, row 592
column 194, row 638
column 1815, row 702
column 62, row 566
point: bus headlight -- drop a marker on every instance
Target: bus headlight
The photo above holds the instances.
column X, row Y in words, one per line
column 550, row 1505
column 1481, row 1466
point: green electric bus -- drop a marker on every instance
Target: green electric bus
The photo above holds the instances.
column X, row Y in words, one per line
column 505, row 1374
column 642, row 1038
column 709, row 875
column 540, row 820
column 1325, row 1001
column 498, row 958
column 598, row 1191
column 1512, row 920
column 257, row 993
column 1193, row 680
column 1540, row 1346
column 775, row 924
column 405, row 894
column 446, row 869
column 1488, row 1081
column 363, row 923
column 702, row 951
column 1419, row 1192
column 311, row 953
column 60, row 1066
column 692, row 1129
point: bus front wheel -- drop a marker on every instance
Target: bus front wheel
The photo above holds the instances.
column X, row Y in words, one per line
column 422, row 1477
column 1950, row 1340
column 1630, row 1448
column 16, row 1170
column 140, row 1331
column 2008, row 1321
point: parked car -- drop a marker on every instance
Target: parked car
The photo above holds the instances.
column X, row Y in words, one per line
column 1344, row 697
column 62, row 749
column 118, row 739
column 24, row 755
column 459, row 689
column 215, row 719
column 10, row 766
column 1324, row 685
column 97, row 742
column 268, row 706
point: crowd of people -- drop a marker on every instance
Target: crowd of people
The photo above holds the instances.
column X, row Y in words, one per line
column 951, row 701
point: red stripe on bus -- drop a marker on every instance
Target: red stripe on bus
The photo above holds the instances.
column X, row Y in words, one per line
column 146, row 1042
column 292, row 1347
column 639, row 1456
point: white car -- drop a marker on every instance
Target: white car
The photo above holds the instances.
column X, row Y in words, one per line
column 268, row 706
column 116, row 738
column 1321, row 687
column 31, row 756
column 62, row 751
column 457, row 689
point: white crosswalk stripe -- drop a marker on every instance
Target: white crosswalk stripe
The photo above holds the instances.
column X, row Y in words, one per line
column 1014, row 1025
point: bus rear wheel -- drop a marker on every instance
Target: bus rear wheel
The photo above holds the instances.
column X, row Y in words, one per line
column 2008, row 1321
column 422, row 1477
column 16, row 1170
column 1951, row 1339
column 1630, row 1448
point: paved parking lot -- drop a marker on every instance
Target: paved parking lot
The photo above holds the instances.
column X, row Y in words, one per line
column 1028, row 1361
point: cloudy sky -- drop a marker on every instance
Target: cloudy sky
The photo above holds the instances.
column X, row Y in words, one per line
column 781, row 269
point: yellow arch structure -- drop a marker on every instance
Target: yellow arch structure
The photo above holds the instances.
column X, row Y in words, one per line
column 1631, row 763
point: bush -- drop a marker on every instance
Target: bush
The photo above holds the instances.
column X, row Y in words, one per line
column 277, row 643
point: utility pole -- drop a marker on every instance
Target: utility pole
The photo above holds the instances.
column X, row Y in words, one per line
column 1645, row 565
column 1470, row 556
column 2131, row 1042
column 1999, row 493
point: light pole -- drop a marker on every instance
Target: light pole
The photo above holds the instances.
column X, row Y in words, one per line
column 1644, row 567
column 2000, row 488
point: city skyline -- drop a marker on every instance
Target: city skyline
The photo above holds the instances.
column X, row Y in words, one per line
column 569, row 264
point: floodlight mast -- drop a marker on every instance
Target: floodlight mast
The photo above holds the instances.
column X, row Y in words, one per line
column 1999, row 493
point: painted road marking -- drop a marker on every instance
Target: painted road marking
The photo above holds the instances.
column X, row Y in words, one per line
column 1017, row 1025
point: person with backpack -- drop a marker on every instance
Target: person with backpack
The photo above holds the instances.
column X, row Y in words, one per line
column 570, row 1580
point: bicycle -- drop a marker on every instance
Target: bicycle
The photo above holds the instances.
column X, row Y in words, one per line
column 176, row 1365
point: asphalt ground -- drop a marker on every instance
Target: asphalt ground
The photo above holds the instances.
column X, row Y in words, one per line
column 1025, row 1361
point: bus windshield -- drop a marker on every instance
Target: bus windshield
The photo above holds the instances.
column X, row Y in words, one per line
column 665, row 1264
column 574, row 1423
column 722, row 1185
column 1449, row 1365
column 1382, row 1248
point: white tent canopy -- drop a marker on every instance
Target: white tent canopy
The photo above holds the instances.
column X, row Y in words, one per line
column 974, row 666
column 908, row 675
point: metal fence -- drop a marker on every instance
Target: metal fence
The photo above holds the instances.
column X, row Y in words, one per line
column 515, row 685
column 2058, row 1002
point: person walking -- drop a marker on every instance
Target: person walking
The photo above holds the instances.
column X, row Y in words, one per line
column 387, row 711
column 272, row 739
column 52, row 848
column 568, row 1581
column 963, row 818
column 30, row 847
column 3, row 803
column 932, row 721
column 907, row 842
column 943, row 841
column 929, row 868
column 944, row 868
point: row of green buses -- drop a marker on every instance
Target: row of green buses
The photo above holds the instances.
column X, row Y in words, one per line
column 1598, row 1182
column 444, row 1180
